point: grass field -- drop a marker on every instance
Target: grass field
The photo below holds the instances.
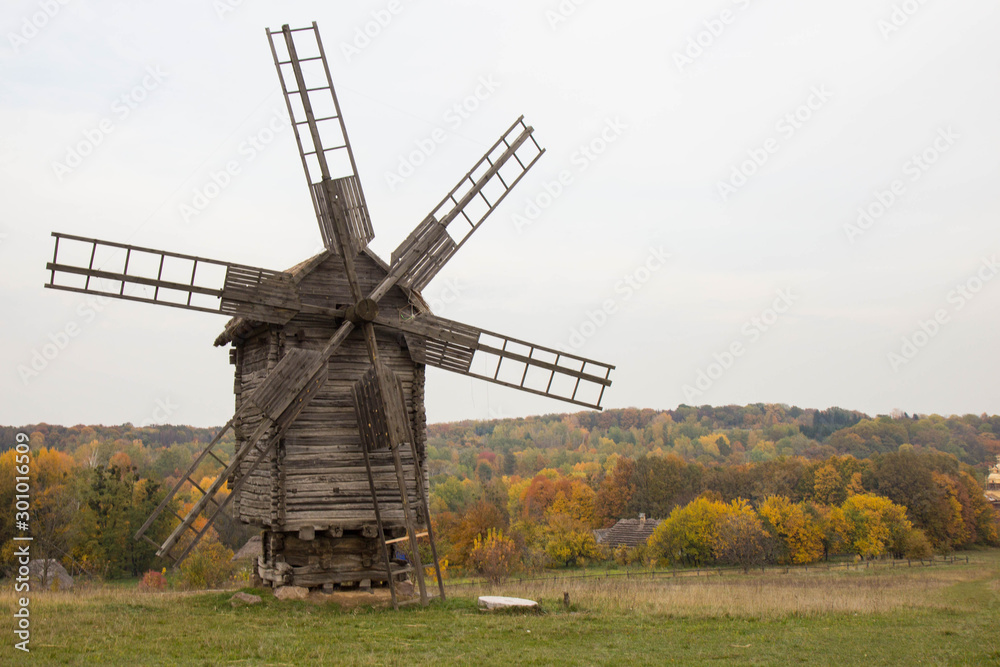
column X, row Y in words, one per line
column 942, row 614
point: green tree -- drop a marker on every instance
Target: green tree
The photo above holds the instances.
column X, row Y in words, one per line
column 116, row 504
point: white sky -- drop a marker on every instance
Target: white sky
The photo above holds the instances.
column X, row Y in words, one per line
column 682, row 129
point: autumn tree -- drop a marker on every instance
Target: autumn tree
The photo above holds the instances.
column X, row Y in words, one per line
column 801, row 538
column 829, row 486
column 614, row 493
column 689, row 534
column 663, row 483
column 477, row 521
column 569, row 541
column 876, row 526
column 741, row 539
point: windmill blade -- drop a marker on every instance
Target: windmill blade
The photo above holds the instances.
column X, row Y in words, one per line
column 133, row 273
column 280, row 398
column 507, row 361
column 324, row 146
column 382, row 418
column 419, row 258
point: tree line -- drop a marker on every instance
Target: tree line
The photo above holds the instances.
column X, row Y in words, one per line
column 534, row 490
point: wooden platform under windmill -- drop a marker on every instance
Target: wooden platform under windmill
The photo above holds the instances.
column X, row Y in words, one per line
column 330, row 355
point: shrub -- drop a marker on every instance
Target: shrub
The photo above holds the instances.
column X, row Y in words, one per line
column 208, row 566
column 494, row 557
column 620, row 554
column 917, row 545
column 153, row 581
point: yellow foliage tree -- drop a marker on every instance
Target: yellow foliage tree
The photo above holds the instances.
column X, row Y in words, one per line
column 876, row 525
column 689, row 534
column 828, row 486
column 801, row 536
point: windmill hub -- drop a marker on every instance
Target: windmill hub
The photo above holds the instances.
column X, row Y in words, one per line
column 365, row 310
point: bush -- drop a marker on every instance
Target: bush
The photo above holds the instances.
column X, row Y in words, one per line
column 153, row 581
column 208, row 566
column 917, row 545
column 494, row 557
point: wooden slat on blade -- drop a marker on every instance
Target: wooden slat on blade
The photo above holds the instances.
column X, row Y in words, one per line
column 284, row 382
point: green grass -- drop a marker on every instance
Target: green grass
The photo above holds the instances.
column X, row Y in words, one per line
column 945, row 614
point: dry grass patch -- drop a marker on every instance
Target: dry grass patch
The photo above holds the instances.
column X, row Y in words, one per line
column 760, row 596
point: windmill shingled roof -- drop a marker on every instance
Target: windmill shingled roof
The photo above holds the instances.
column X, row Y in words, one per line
column 630, row 532
column 238, row 327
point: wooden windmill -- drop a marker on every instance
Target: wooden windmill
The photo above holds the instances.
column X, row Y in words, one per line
column 330, row 355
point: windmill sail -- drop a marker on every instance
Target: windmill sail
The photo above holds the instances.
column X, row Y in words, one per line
column 321, row 135
column 134, row 273
column 419, row 258
column 504, row 360
column 282, row 396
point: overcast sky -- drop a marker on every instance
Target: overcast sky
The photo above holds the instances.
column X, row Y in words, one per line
column 705, row 236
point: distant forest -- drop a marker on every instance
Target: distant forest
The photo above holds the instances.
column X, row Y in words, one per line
column 546, row 481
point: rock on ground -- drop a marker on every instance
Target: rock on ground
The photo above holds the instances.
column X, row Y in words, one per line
column 499, row 602
column 291, row 593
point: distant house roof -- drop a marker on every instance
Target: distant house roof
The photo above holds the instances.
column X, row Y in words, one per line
column 50, row 574
column 630, row 532
column 251, row 550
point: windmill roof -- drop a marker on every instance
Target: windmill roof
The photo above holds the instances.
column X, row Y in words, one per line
column 630, row 532
column 240, row 327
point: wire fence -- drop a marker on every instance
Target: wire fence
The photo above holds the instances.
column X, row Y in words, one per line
column 715, row 571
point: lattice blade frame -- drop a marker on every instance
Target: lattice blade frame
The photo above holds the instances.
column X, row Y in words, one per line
column 135, row 273
column 507, row 361
column 324, row 146
column 426, row 250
